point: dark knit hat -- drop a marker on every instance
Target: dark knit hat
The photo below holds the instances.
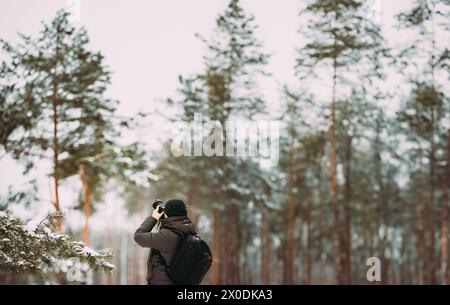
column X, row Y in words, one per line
column 175, row 207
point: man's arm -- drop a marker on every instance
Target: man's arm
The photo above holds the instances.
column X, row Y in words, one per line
column 143, row 235
column 145, row 238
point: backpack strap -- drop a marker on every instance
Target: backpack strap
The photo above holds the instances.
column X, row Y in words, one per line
column 182, row 236
column 163, row 261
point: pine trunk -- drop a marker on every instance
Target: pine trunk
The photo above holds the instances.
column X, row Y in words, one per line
column 234, row 249
column 444, row 219
column 266, row 265
column 347, row 213
column 309, row 262
column 87, row 203
column 444, row 241
column 290, row 229
column 383, row 197
column 192, row 202
column 431, row 222
column 56, row 163
column 372, row 225
column 215, row 268
column 333, row 180
column 432, row 158
column 420, row 232
column 320, row 236
column 384, row 242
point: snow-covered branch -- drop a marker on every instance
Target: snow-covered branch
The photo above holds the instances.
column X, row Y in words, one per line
column 39, row 249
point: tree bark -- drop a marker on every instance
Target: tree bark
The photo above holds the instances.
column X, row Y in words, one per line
column 87, row 203
column 444, row 241
column 266, row 264
column 385, row 241
column 192, row 202
column 347, row 213
column 383, row 203
column 420, row 230
column 290, row 227
column 333, row 180
column 231, row 250
column 309, row 262
column 56, row 161
column 431, row 223
column 432, row 159
column 234, row 275
column 444, row 219
column 320, row 234
column 215, row 268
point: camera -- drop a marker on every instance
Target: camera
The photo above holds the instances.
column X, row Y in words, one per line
column 158, row 203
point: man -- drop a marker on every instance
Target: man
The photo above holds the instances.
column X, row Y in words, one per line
column 163, row 243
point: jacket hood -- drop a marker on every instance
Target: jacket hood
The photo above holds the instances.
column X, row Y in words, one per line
column 178, row 223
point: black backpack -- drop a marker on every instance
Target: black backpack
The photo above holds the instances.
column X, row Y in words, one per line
column 191, row 261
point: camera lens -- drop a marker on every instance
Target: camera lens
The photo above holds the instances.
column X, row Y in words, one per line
column 156, row 203
column 160, row 208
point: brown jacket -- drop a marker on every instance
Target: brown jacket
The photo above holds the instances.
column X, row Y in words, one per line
column 164, row 242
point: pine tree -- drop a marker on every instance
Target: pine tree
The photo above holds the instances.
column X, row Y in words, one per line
column 225, row 90
column 420, row 115
column 344, row 45
column 67, row 113
column 422, row 62
column 62, row 85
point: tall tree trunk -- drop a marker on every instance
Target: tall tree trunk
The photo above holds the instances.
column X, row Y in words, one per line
column 87, row 202
column 56, row 161
column 403, row 253
column 266, row 264
column 308, row 254
column 372, row 225
column 231, row 251
column 234, row 277
column 215, row 268
column 385, row 241
column 431, row 211
column 444, row 219
column 432, row 160
column 226, row 250
column 444, row 240
column 420, row 230
column 192, row 202
column 320, row 234
column 290, row 226
column 333, row 179
column 347, row 213
column 409, row 266
column 382, row 201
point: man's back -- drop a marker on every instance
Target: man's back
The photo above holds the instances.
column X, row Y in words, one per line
column 163, row 243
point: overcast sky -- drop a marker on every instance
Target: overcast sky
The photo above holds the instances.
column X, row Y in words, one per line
column 148, row 43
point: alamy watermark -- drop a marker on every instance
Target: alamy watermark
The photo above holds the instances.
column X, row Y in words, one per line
column 374, row 272
column 253, row 139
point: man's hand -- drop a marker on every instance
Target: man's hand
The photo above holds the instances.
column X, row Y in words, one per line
column 156, row 214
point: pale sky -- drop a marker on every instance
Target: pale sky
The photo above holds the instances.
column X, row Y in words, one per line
column 148, row 43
